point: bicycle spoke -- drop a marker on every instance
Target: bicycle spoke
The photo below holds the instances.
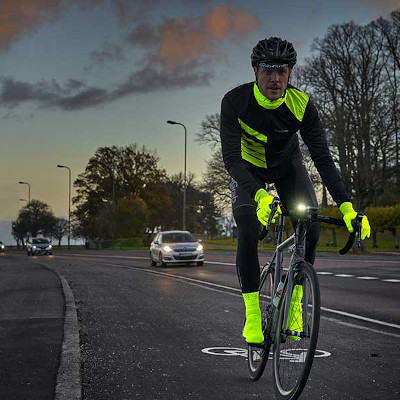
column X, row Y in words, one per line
column 295, row 343
column 257, row 358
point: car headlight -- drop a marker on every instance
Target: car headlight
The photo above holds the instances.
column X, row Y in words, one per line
column 2, row 246
column 49, row 246
column 34, row 247
column 199, row 247
column 167, row 248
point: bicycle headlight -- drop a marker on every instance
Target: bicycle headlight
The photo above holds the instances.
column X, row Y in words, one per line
column 301, row 207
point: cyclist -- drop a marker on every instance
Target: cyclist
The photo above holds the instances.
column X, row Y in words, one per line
column 259, row 124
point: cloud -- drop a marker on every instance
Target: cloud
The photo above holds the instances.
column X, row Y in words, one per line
column 181, row 41
column 75, row 95
column 110, row 52
column 19, row 17
column 180, row 53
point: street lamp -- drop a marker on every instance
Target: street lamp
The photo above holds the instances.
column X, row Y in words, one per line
column 69, row 204
column 29, row 190
column 184, row 174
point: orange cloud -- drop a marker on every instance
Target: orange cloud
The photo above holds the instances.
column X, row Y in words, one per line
column 228, row 20
column 18, row 17
column 185, row 40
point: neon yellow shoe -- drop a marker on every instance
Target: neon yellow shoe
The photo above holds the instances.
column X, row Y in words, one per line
column 252, row 331
column 295, row 316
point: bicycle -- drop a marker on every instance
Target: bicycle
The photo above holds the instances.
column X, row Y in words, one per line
column 290, row 305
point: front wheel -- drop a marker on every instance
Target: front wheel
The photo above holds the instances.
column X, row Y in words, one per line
column 200, row 263
column 160, row 261
column 153, row 263
column 257, row 357
column 296, row 335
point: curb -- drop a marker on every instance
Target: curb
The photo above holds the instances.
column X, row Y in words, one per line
column 68, row 384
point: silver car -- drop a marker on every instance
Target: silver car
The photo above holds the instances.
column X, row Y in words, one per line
column 175, row 247
column 39, row 246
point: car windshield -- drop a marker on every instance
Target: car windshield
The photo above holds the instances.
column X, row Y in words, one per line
column 40, row 241
column 177, row 237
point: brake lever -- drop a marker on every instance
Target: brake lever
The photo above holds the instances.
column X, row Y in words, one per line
column 358, row 224
column 356, row 232
column 273, row 206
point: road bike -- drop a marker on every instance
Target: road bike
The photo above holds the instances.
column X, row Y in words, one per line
column 290, row 304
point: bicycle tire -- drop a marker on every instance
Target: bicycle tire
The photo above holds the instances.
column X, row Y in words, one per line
column 293, row 356
column 257, row 357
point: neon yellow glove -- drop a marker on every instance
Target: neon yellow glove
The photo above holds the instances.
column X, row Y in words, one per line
column 264, row 201
column 349, row 215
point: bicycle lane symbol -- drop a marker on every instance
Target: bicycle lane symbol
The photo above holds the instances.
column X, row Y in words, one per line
column 293, row 356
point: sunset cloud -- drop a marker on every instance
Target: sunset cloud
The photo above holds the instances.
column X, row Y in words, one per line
column 75, row 95
column 178, row 52
column 183, row 40
column 19, row 17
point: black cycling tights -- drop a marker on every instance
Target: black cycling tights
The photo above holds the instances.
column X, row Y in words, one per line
column 247, row 262
column 293, row 186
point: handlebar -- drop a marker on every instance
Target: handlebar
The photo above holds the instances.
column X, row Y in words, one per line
column 328, row 220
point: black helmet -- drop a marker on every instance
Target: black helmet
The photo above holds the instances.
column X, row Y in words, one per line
column 274, row 52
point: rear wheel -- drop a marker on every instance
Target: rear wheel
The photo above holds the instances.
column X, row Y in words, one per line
column 295, row 343
column 258, row 357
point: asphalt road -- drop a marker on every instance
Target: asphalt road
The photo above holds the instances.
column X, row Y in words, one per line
column 151, row 333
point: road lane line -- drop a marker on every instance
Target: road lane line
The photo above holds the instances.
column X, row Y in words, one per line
column 375, row 321
column 350, row 325
column 198, row 281
column 367, row 277
column 232, row 264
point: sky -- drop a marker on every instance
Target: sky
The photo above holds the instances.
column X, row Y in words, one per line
column 76, row 75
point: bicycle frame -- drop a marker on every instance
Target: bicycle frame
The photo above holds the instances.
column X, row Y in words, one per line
column 297, row 240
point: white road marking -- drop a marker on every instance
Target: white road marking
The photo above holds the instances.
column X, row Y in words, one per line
column 215, row 285
column 232, row 264
column 367, row 277
column 375, row 321
column 337, row 321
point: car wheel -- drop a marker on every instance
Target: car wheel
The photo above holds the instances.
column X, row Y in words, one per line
column 27, row 253
column 153, row 263
column 160, row 261
column 200, row 263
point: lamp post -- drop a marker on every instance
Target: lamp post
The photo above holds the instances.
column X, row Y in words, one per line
column 69, row 203
column 29, row 190
column 184, row 174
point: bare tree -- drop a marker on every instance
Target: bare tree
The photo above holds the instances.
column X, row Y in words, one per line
column 348, row 81
column 216, row 179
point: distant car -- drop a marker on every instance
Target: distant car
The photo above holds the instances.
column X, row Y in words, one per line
column 176, row 247
column 2, row 247
column 39, row 246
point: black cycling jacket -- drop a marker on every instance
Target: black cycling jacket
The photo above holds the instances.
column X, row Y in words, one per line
column 258, row 134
